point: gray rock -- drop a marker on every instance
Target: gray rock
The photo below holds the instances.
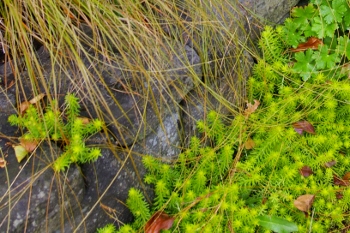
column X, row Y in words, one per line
column 232, row 98
column 135, row 103
column 108, row 181
column 164, row 141
column 7, row 103
column 271, row 11
column 116, row 171
column 33, row 197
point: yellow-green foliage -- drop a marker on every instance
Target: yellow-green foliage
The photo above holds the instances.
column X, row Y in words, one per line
column 208, row 192
column 72, row 132
column 109, row 228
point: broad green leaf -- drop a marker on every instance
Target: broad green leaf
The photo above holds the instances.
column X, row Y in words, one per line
column 277, row 224
column 293, row 34
column 334, row 13
column 302, row 15
column 324, row 59
column 327, row 14
column 308, row 32
column 323, row 29
column 319, row 2
column 346, row 20
column 301, row 19
column 343, row 47
column 304, row 65
column 339, row 8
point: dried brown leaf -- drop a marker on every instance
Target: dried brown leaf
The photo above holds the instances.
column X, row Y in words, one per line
column 330, row 163
column 28, row 145
column 339, row 196
column 2, row 163
column 159, row 221
column 311, row 43
column 304, row 202
column 306, row 126
column 84, row 120
column 340, row 182
column 249, row 144
column 36, row 99
column 25, row 104
column 306, row 171
column 251, row 107
column 346, row 176
column 23, row 107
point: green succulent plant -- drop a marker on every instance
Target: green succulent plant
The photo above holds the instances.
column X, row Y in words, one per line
column 51, row 125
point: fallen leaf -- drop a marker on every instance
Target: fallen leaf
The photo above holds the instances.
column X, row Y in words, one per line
column 346, row 176
column 29, row 145
column 339, row 196
column 84, row 120
column 251, row 107
column 301, row 126
column 159, row 221
column 299, row 131
column 340, row 182
column 20, row 152
column 25, row 104
column 311, row 43
column 36, row 98
column 249, row 144
column 330, row 163
column 304, row 202
column 306, row 171
column 23, row 107
column 2, row 163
